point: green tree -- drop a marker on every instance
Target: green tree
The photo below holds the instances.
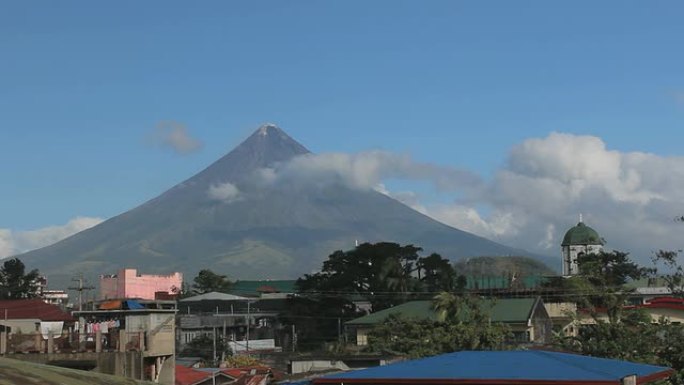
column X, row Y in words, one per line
column 318, row 319
column 629, row 334
column 600, row 285
column 436, row 274
column 15, row 282
column 634, row 338
column 674, row 272
column 385, row 274
column 606, row 274
column 381, row 275
column 207, row 281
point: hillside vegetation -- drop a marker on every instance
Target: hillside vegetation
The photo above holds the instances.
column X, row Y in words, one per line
column 498, row 266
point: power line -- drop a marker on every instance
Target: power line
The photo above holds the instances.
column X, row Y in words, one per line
column 80, row 288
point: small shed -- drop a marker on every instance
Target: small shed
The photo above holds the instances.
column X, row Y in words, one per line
column 504, row 368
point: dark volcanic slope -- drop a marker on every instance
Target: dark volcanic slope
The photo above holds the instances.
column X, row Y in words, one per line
column 277, row 230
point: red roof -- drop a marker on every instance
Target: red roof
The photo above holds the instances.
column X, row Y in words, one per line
column 254, row 375
column 234, row 372
column 267, row 289
column 189, row 376
column 664, row 303
column 251, row 379
column 655, row 303
column 32, row 309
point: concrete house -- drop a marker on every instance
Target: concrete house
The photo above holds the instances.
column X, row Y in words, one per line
column 128, row 283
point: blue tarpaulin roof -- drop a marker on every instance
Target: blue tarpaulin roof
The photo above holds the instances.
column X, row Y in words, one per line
column 130, row 304
column 504, row 367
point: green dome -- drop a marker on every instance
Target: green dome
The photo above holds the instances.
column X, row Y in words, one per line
column 581, row 235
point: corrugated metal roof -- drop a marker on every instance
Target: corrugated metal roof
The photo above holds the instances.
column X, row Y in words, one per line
column 32, row 309
column 214, row 296
column 505, row 367
column 500, row 310
column 190, row 376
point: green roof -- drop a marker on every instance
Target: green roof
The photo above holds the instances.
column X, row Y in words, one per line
column 409, row 310
column 255, row 288
column 581, row 235
column 508, row 310
column 646, row 282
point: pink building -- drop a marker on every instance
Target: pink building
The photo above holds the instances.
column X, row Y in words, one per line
column 129, row 284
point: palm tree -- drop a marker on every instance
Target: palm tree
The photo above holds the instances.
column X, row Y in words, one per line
column 448, row 307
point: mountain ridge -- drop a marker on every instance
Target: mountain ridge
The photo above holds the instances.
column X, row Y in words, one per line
column 226, row 219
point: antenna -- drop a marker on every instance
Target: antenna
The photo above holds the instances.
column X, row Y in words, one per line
column 80, row 288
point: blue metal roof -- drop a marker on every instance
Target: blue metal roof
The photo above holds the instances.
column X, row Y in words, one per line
column 504, row 366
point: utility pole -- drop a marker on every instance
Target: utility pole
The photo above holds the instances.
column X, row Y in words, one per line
column 248, row 322
column 80, row 288
column 339, row 330
column 214, row 357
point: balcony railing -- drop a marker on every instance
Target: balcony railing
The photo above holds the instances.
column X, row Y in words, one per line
column 73, row 342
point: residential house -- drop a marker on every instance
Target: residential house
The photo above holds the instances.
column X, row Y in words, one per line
column 526, row 317
column 127, row 325
column 563, row 316
column 212, row 376
column 660, row 309
column 223, row 376
column 234, row 318
column 646, row 289
column 27, row 324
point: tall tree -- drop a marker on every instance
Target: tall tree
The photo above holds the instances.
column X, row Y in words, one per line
column 382, row 273
column 600, row 285
column 207, row 281
column 436, row 274
column 369, row 277
column 15, row 282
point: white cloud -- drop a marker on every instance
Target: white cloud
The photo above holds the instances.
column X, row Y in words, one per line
column 225, row 192
column 629, row 197
column 545, row 183
column 15, row 242
column 6, row 243
column 367, row 170
column 175, row 136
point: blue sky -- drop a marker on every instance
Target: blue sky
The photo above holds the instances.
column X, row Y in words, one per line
column 453, row 83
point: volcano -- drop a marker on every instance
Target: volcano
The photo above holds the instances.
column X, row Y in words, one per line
column 227, row 220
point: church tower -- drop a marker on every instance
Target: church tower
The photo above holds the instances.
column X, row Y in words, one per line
column 578, row 241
